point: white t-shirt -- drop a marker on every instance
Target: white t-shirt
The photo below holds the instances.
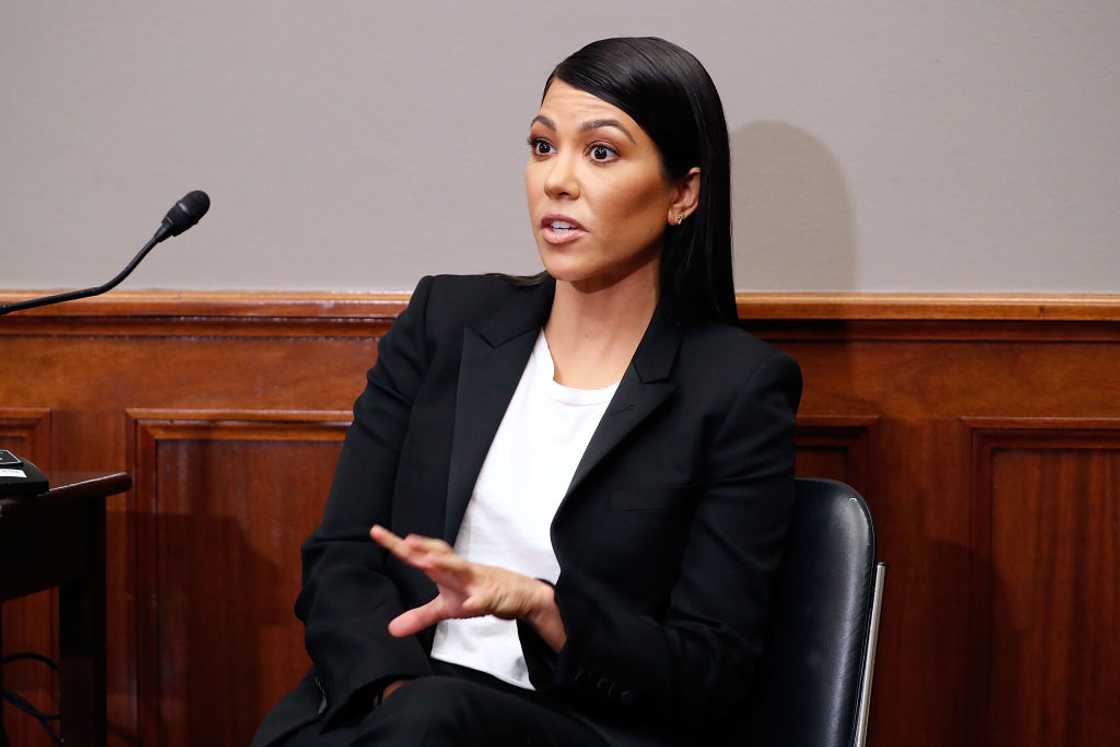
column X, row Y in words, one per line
column 534, row 454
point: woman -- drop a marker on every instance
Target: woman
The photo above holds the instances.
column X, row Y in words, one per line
column 558, row 512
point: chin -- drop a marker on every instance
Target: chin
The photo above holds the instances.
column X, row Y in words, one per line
column 582, row 277
column 578, row 271
column 565, row 268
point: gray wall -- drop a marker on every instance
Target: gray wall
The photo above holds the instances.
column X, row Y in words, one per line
column 897, row 145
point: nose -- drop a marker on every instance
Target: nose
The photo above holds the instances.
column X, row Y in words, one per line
column 561, row 180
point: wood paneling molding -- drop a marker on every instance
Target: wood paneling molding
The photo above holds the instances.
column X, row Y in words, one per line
column 188, row 313
column 839, row 447
column 27, row 431
column 930, row 306
column 781, row 315
column 247, row 304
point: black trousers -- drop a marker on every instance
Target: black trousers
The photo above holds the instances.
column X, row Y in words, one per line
column 457, row 706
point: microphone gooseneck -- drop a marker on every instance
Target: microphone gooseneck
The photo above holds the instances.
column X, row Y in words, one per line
column 182, row 215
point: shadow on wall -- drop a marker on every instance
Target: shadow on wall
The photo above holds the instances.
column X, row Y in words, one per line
column 792, row 214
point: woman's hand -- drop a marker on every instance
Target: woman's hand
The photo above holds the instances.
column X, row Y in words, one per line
column 470, row 589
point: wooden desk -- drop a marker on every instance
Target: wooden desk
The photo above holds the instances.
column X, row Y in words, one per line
column 59, row 540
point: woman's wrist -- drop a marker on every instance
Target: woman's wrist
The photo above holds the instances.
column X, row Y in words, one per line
column 545, row 618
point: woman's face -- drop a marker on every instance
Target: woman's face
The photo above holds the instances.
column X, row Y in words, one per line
column 599, row 202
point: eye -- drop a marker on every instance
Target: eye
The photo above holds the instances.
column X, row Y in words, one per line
column 602, row 153
column 539, row 146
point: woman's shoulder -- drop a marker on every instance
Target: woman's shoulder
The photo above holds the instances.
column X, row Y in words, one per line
column 719, row 356
column 466, row 296
column 449, row 302
column 720, row 343
column 481, row 286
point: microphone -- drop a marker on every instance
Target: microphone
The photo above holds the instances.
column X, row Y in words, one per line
column 185, row 213
column 182, row 215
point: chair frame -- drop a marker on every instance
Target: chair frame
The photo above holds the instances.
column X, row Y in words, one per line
column 863, row 716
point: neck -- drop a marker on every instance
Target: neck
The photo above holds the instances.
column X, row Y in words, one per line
column 604, row 317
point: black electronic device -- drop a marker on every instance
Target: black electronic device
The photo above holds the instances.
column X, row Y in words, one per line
column 8, row 459
column 22, row 481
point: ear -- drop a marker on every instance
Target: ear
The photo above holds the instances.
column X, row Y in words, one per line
column 686, row 196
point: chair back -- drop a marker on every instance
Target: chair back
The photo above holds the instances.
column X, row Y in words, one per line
column 814, row 679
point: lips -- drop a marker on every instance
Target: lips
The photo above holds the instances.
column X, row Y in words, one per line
column 551, row 218
column 561, row 229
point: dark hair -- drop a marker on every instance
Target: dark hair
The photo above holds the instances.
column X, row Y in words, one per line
column 666, row 90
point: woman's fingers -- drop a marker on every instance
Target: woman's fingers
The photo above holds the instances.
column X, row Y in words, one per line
column 451, row 563
column 389, row 541
column 426, row 615
column 475, row 605
column 433, row 545
column 465, row 589
column 410, row 549
column 425, row 553
column 418, row 618
column 410, row 546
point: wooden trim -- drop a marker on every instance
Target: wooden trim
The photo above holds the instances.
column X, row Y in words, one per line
column 207, row 313
column 225, row 304
column 385, row 305
column 856, row 435
column 1002, row 427
column 932, row 331
column 931, row 306
column 239, row 425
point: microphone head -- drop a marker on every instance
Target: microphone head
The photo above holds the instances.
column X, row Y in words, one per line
column 186, row 212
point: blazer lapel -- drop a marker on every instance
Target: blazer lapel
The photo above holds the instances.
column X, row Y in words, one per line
column 644, row 387
column 493, row 359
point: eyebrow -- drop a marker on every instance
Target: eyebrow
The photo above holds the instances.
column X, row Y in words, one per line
column 591, row 124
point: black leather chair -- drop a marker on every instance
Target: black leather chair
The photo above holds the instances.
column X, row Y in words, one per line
column 814, row 678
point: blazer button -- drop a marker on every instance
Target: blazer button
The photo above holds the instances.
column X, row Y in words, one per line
column 628, row 697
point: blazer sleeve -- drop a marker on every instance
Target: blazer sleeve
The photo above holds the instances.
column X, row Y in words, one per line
column 347, row 599
column 695, row 663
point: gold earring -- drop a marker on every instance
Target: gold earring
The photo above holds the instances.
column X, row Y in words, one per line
column 680, row 219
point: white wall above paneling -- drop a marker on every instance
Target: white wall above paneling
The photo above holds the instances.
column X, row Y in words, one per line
column 879, row 146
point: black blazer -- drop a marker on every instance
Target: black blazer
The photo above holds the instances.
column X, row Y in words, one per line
column 667, row 538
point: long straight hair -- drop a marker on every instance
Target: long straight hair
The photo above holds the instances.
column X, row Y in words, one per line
column 666, row 90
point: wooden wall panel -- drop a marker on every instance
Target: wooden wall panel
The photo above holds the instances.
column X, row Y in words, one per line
column 222, row 502
column 977, row 428
column 1046, row 504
